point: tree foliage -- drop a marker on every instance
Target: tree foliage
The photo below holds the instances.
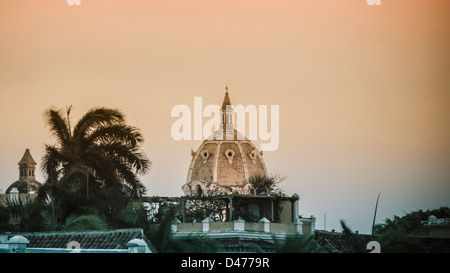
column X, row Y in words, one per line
column 297, row 244
column 394, row 234
column 84, row 222
column 410, row 221
column 396, row 241
column 269, row 184
column 197, row 210
column 91, row 176
column 100, row 151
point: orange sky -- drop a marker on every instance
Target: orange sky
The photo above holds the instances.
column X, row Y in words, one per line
column 363, row 90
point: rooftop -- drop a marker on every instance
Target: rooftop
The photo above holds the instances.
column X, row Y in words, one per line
column 27, row 158
column 341, row 243
column 93, row 239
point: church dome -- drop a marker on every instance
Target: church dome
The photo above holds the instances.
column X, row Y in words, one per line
column 224, row 162
column 25, row 186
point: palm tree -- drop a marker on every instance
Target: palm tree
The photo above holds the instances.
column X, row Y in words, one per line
column 100, row 151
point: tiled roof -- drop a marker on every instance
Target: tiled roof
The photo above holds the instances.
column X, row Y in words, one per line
column 338, row 242
column 27, row 158
column 435, row 245
column 97, row 239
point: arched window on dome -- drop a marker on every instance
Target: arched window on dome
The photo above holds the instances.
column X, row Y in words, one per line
column 205, row 154
column 230, row 154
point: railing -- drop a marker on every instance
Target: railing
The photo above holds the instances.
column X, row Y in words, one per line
column 301, row 226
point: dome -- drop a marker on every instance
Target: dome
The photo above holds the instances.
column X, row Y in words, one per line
column 25, row 186
column 224, row 162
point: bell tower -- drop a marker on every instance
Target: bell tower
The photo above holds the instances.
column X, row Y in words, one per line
column 27, row 166
column 27, row 178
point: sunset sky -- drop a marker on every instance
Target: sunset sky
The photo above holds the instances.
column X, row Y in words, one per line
column 363, row 91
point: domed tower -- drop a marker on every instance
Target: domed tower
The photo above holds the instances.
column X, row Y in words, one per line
column 225, row 161
column 27, row 180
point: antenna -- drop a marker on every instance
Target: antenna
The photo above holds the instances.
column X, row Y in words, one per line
column 325, row 221
column 375, row 214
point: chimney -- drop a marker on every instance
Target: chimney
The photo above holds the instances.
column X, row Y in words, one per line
column 18, row 244
column 138, row 246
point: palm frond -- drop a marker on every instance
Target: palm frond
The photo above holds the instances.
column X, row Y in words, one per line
column 133, row 185
column 97, row 117
column 130, row 155
column 58, row 125
column 102, row 166
column 84, row 222
column 115, row 132
column 51, row 161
